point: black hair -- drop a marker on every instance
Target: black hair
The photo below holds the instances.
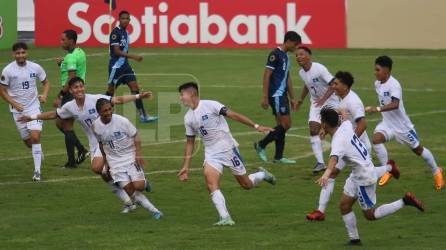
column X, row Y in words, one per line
column 308, row 50
column 384, row 61
column 188, row 85
column 101, row 102
column 74, row 80
column 292, row 36
column 345, row 77
column 19, row 45
column 123, row 12
column 71, row 34
column 329, row 116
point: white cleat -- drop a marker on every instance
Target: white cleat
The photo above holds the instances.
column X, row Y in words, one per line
column 128, row 208
column 36, row 176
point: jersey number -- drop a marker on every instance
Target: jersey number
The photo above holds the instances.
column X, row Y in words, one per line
column 25, row 85
column 203, row 131
column 89, row 122
column 235, row 161
column 359, row 146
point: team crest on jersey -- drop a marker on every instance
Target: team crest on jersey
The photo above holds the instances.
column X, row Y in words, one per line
column 272, row 58
column 204, row 117
column 387, row 93
column 117, row 134
column 32, row 75
column 91, row 111
column 315, row 80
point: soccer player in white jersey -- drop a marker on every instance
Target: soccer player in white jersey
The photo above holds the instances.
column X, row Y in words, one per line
column 206, row 118
column 395, row 123
column 19, row 89
column 361, row 184
column 317, row 81
column 121, row 143
column 83, row 109
column 352, row 108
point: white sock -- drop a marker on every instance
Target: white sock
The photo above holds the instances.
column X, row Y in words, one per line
column 37, row 156
column 388, row 209
column 256, row 177
column 380, row 171
column 144, row 202
column 350, row 224
column 220, row 204
column 429, row 158
column 316, row 145
column 381, row 153
column 324, row 196
column 120, row 193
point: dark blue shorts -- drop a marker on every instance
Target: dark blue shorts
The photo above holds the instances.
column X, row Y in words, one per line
column 121, row 75
column 280, row 105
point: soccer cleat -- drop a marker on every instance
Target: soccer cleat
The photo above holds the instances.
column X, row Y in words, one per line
column 260, row 151
column 438, row 178
column 128, row 208
column 386, row 177
column 355, row 242
column 410, row 200
column 270, row 178
column 36, row 176
column 148, row 187
column 81, row 156
column 148, row 119
column 284, row 161
column 157, row 215
column 225, row 222
column 316, row 215
column 70, row 165
column 395, row 172
column 318, row 167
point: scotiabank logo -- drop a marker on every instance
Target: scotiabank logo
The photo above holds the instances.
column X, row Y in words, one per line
column 226, row 23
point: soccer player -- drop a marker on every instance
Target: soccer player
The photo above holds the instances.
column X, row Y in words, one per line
column 122, row 146
column 353, row 109
column 361, row 184
column 119, row 69
column 19, row 89
column 396, row 124
column 317, row 81
column 73, row 64
column 277, row 87
column 206, row 118
column 83, row 109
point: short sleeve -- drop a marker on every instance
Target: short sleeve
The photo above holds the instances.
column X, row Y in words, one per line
column 64, row 112
column 357, row 111
column 115, row 38
column 5, row 78
column 396, row 91
column 70, row 62
column 337, row 147
column 272, row 60
column 41, row 73
column 325, row 74
column 189, row 129
column 130, row 129
column 217, row 107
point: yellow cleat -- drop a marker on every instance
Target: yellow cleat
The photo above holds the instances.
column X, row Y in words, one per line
column 438, row 178
column 384, row 179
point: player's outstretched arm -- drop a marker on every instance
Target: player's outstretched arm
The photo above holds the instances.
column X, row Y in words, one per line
column 119, row 52
column 130, row 98
column 323, row 181
column 183, row 174
column 8, row 99
column 46, row 89
column 245, row 120
column 49, row 115
column 266, row 77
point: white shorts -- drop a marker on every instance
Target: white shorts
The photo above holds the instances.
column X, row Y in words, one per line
column 408, row 138
column 25, row 128
column 366, row 195
column 231, row 159
column 131, row 173
column 315, row 112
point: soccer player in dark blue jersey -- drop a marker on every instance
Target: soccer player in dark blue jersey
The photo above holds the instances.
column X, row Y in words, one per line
column 277, row 93
column 119, row 69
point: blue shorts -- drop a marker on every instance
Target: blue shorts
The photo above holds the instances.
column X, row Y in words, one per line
column 280, row 105
column 121, row 75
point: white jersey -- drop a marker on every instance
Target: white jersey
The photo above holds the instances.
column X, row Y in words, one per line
column 353, row 106
column 118, row 141
column 207, row 122
column 21, row 84
column 395, row 119
column 347, row 147
column 86, row 115
column 317, row 80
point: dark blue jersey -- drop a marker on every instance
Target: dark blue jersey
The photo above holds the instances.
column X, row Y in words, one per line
column 278, row 62
column 118, row 36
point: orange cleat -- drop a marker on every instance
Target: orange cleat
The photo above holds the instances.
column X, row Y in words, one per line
column 386, row 177
column 438, row 178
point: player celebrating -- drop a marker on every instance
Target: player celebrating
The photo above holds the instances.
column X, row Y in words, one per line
column 317, row 81
column 396, row 124
column 83, row 109
column 18, row 87
column 119, row 69
column 361, row 184
column 353, row 109
column 207, row 119
column 277, row 87
column 122, row 146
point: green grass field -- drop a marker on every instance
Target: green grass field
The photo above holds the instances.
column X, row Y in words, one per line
column 73, row 209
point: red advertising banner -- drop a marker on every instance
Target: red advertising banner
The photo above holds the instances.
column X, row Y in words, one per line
column 210, row 23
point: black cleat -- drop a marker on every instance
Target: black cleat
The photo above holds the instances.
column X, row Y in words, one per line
column 70, row 165
column 81, row 156
column 410, row 200
column 355, row 242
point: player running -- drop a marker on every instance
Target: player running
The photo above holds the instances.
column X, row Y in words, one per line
column 119, row 69
column 83, row 109
column 353, row 109
column 206, row 118
column 396, row 124
column 361, row 184
column 121, row 143
column 19, row 89
column 277, row 87
column 317, row 81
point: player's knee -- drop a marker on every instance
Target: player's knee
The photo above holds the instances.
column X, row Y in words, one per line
column 345, row 208
column 139, row 185
column 28, row 143
column 370, row 214
column 97, row 168
column 418, row 150
column 246, row 185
